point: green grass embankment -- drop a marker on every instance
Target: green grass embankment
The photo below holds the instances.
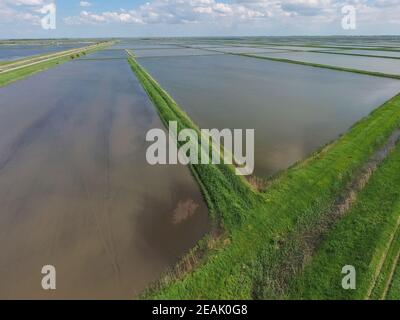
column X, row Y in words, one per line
column 315, row 65
column 249, row 261
column 366, row 237
column 318, row 65
column 393, row 49
column 394, row 288
column 22, row 72
column 385, row 275
column 356, row 54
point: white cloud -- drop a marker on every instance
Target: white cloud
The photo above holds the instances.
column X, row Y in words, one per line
column 174, row 12
column 307, row 7
column 21, row 11
column 28, row 2
column 292, row 14
column 385, row 3
column 85, row 4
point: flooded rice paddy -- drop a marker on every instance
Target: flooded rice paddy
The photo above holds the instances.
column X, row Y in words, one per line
column 395, row 54
column 106, row 54
column 296, row 48
column 293, row 109
column 246, row 49
column 76, row 191
column 173, row 52
column 345, row 61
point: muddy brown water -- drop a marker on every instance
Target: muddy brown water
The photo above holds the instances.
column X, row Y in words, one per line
column 76, row 191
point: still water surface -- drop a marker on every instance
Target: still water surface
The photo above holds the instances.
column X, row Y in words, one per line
column 76, row 191
column 293, row 109
column 8, row 52
column 373, row 64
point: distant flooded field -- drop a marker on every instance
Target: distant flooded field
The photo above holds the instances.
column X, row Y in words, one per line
column 345, row 61
column 15, row 52
column 264, row 48
column 106, row 54
column 172, row 52
column 395, row 54
column 293, row 109
column 76, row 191
column 137, row 44
column 245, row 49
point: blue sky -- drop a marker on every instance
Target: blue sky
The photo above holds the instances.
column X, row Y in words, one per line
column 136, row 18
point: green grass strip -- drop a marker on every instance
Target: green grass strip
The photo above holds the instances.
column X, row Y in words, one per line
column 325, row 66
column 384, row 279
column 356, row 54
column 361, row 239
column 257, row 223
column 393, row 49
column 394, row 288
column 23, row 72
column 222, row 183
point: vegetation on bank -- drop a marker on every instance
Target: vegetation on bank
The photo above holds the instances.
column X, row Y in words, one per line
column 318, row 65
column 367, row 237
column 394, row 289
column 250, row 259
column 297, row 47
column 7, row 77
column 356, row 54
column 393, row 49
column 385, row 279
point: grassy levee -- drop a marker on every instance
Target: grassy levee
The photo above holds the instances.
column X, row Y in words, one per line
column 394, row 288
column 219, row 183
column 317, row 65
column 385, row 277
column 256, row 224
column 13, row 76
column 356, row 54
column 394, row 49
column 23, row 72
column 364, row 238
column 33, row 58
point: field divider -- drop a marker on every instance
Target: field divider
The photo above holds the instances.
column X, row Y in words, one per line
column 392, row 49
column 256, row 223
column 311, row 64
column 169, row 111
column 43, row 58
column 355, row 54
column 29, row 67
column 387, row 261
column 169, row 100
column 324, row 66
